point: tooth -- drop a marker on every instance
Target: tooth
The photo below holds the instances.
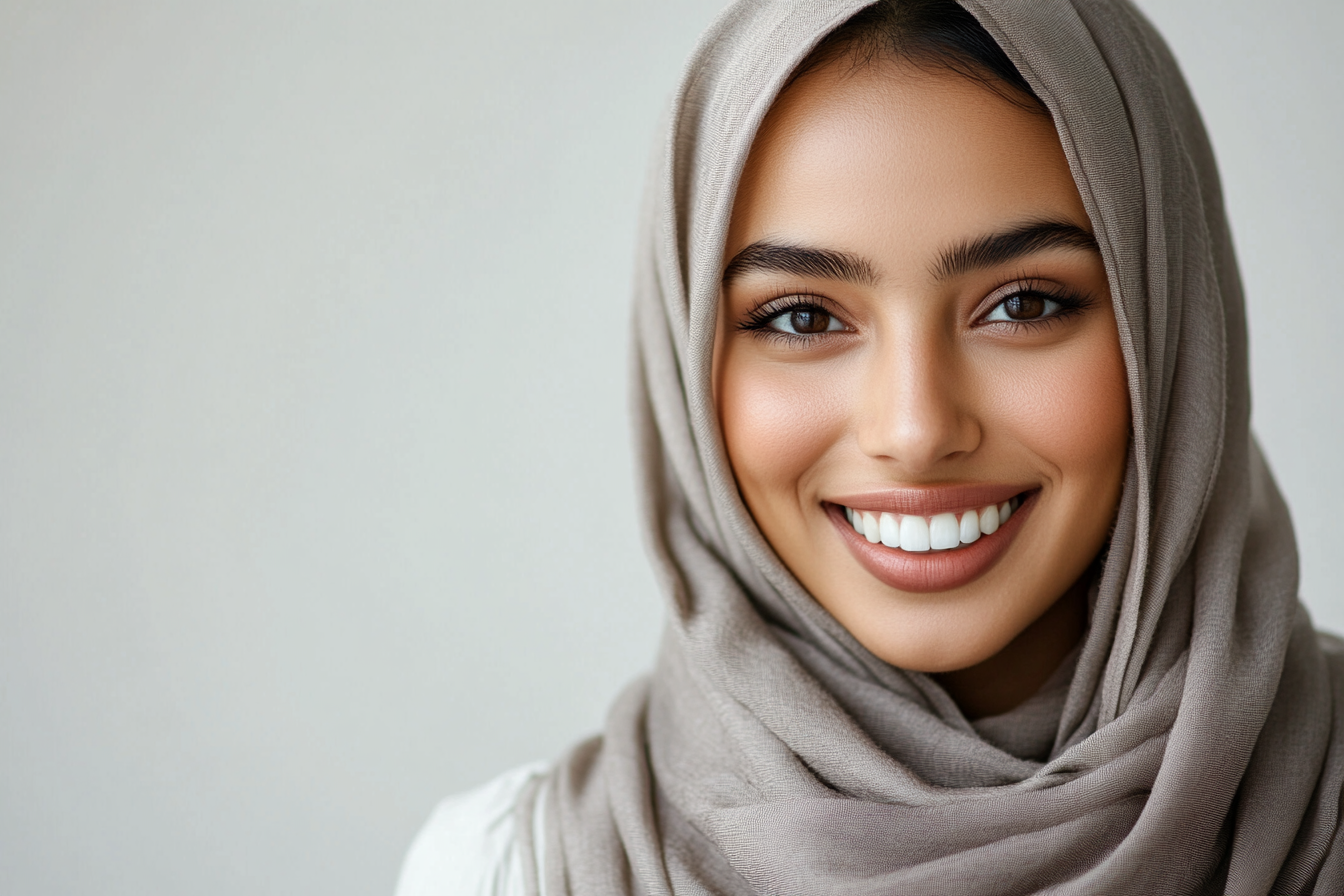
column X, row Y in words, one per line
column 970, row 527
column 943, row 532
column 1005, row 511
column 989, row 519
column 849, row 516
column 889, row 527
column 914, row 533
column 855, row 520
column 1016, row 502
column 870, row 525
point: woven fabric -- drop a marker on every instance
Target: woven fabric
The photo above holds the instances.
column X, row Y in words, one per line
column 1197, row 747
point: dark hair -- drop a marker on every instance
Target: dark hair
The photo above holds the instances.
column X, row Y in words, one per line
column 932, row 32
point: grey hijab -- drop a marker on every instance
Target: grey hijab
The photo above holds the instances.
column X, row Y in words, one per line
column 1197, row 746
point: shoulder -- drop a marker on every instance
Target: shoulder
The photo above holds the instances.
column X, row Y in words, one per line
column 469, row 846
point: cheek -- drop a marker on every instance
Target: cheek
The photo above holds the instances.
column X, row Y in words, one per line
column 779, row 421
column 1071, row 409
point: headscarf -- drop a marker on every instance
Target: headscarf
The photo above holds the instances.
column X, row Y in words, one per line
column 1197, row 747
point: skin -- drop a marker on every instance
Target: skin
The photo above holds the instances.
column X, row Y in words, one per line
column 918, row 377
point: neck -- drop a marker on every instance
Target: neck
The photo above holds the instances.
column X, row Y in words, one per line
column 1017, row 671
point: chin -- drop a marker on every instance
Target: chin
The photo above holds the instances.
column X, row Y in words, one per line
column 934, row 644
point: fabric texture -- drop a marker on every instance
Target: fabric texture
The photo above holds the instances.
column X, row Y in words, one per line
column 470, row 844
column 1197, row 745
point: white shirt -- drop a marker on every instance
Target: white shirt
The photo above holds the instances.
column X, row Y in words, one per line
column 469, row 846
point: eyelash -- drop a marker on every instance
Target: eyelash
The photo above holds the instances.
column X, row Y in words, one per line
column 1069, row 303
column 757, row 321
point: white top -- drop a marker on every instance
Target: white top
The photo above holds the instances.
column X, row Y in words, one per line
column 469, row 846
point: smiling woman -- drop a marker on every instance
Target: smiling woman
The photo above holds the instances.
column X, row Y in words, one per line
column 916, row 329
column 978, row 581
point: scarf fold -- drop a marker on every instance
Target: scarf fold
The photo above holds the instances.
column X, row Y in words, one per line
column 1196, row 746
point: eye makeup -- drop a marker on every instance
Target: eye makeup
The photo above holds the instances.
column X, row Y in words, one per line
column 1026, row 302
column 794, row 316
column 1032, row 302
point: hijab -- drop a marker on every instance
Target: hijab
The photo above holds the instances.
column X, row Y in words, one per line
column 1196, row 746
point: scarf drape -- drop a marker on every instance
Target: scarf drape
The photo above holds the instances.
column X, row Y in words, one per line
column 1197, row 747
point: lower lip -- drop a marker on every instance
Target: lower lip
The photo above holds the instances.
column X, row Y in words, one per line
column 921, row 572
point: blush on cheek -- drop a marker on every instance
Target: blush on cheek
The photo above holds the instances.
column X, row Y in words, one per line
column 777, row 422
column 1073, row 411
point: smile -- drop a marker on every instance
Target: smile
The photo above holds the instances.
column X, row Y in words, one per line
column 940, row 532
column 917, row 540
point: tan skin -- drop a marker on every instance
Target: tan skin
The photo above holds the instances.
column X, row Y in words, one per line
column 914, row 374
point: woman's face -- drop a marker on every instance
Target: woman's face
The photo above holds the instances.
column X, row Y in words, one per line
column 916, row 330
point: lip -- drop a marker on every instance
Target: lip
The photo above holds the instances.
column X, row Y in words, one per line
column 931, row 500
column 927, row 571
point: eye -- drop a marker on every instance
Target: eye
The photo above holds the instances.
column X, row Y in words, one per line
column 1023, row 306
column 805, row 320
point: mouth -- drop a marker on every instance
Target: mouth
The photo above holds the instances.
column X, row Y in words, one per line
column 940, row 532
column 924, row 552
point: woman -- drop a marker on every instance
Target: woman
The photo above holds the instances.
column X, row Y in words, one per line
column 978, row 581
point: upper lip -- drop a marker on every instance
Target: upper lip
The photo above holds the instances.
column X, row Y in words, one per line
column 928, row 500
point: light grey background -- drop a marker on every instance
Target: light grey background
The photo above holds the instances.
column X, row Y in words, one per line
column 315, row 498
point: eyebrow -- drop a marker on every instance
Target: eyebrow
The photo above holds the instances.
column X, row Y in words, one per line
column 801, row 261
column 998, row 248
column 962, row 258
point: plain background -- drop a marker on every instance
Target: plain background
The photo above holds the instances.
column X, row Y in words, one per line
column 315, row 496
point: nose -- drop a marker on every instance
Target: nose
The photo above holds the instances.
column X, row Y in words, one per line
column 917, row 406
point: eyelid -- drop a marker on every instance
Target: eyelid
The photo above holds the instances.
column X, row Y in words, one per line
column 1068, row 298
column 757, row 322
column 999, row 293
column 794, row 296
column 784, row 300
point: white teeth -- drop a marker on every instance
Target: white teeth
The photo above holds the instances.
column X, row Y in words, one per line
column 889, row 527
column 943, row 532
column 914, row 533
column 970, row 527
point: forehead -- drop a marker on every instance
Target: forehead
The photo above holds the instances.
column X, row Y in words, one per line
column 893, row 161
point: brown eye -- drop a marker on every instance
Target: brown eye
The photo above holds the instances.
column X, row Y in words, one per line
column 802, row 319
column 1022, row 307
column 809, row 320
